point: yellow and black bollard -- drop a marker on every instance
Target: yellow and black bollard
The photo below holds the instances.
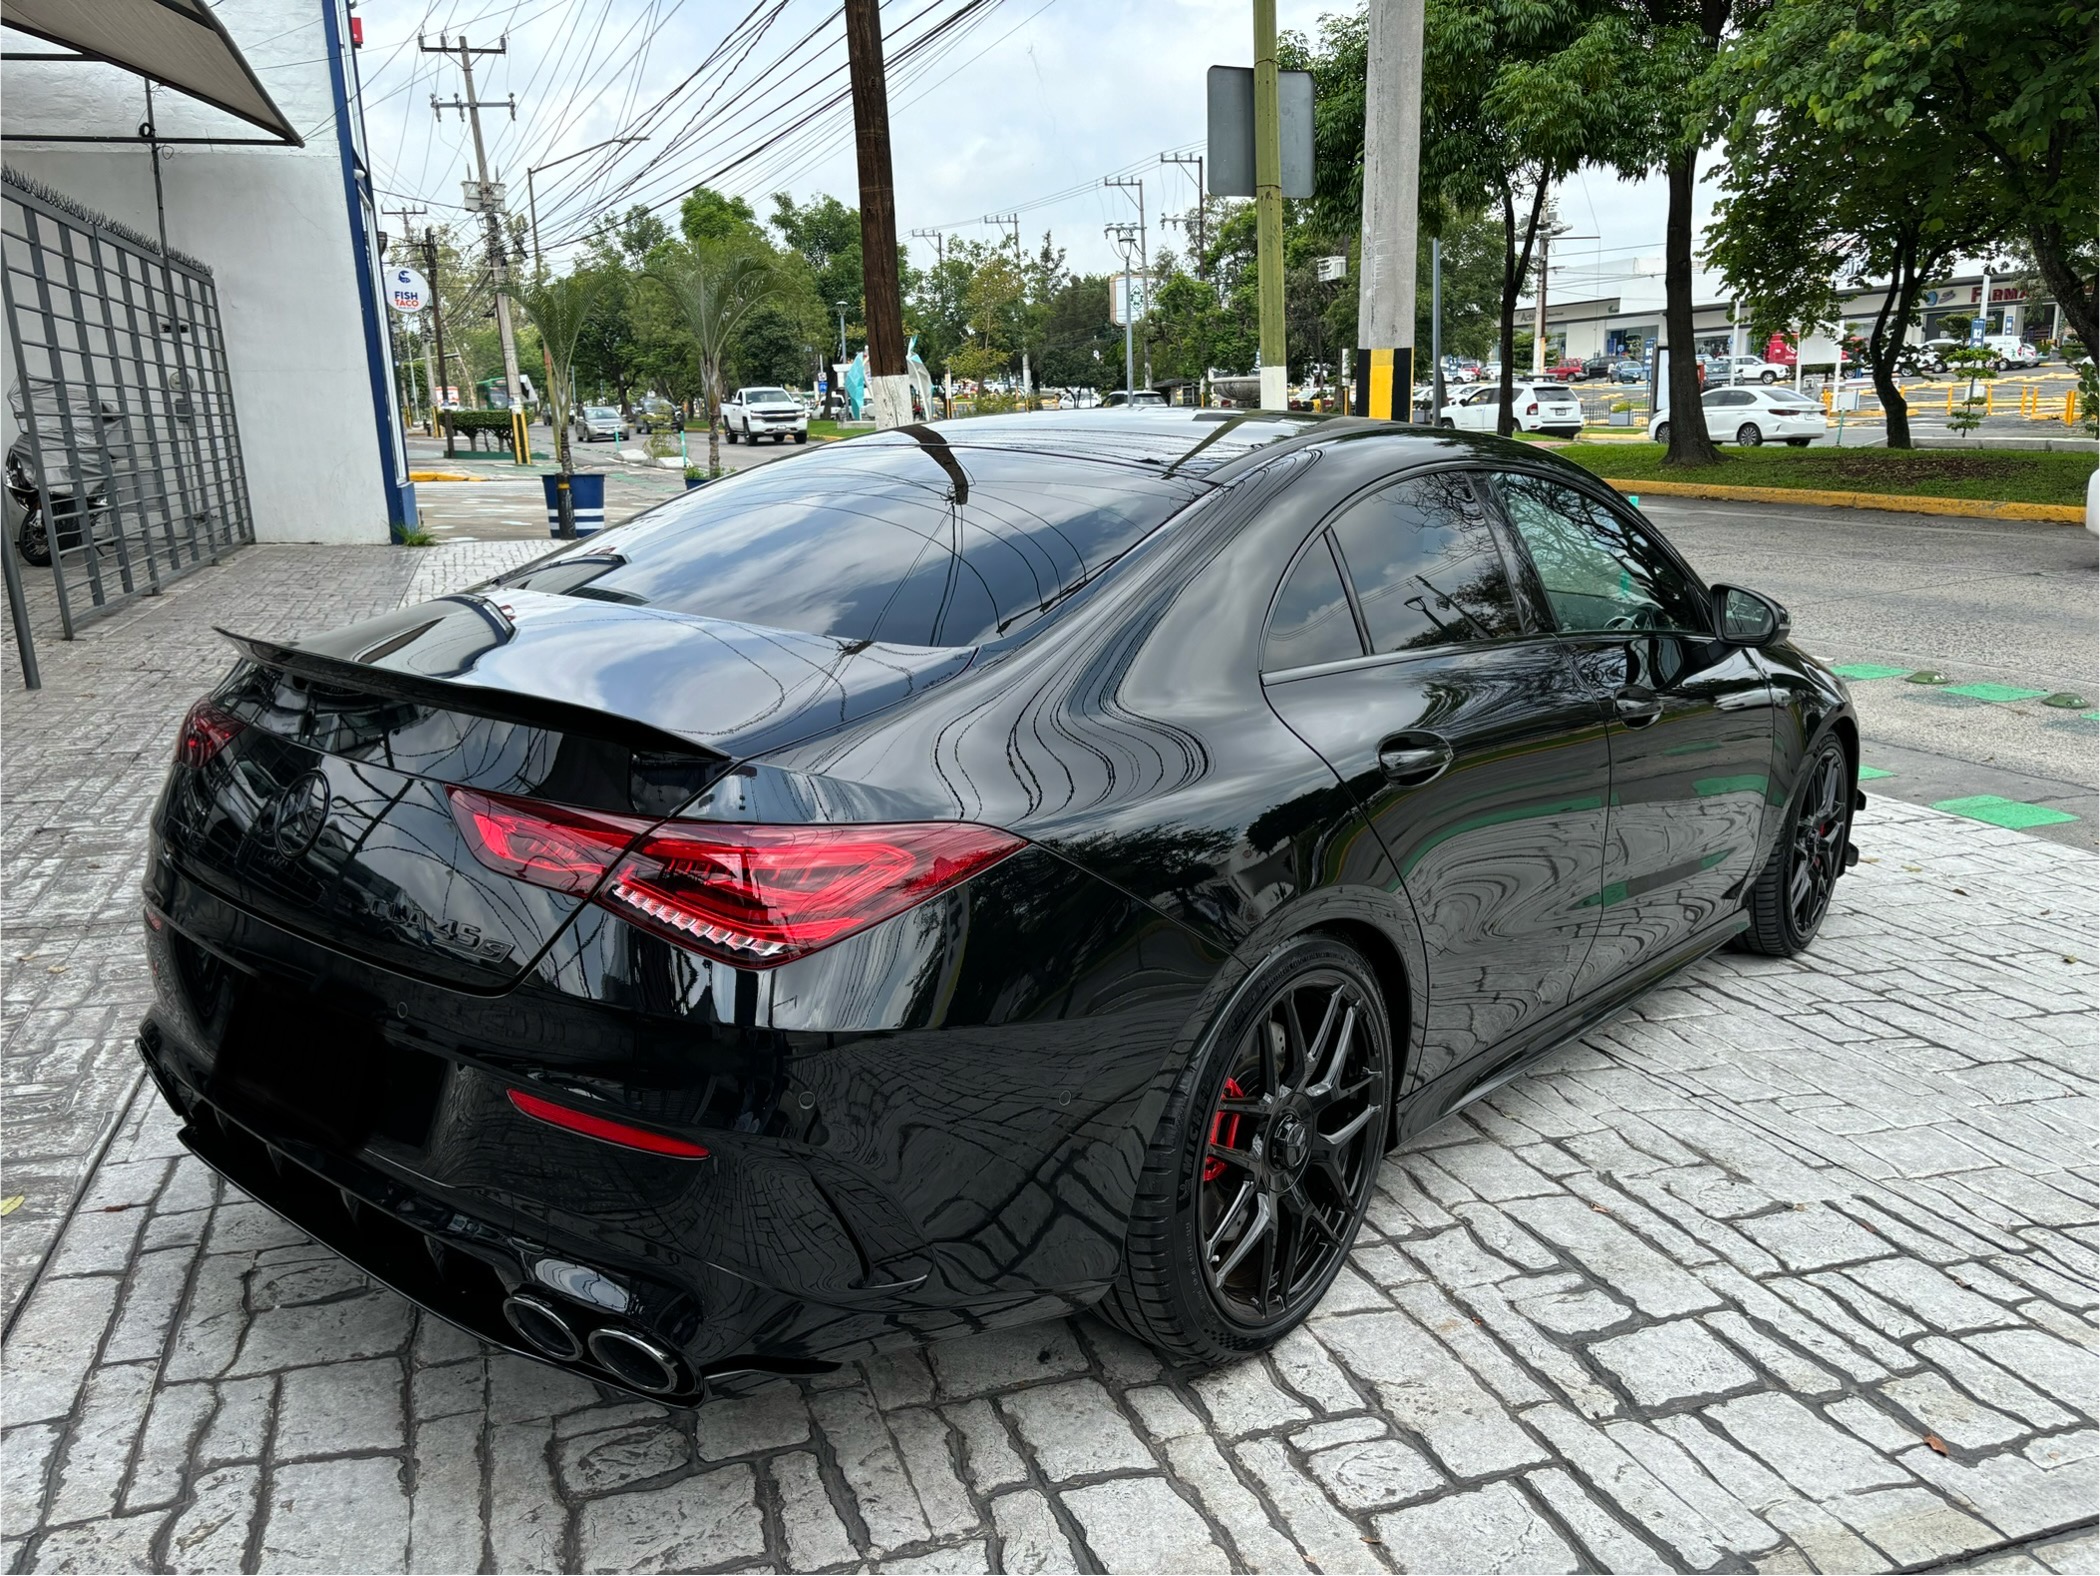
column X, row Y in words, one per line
column 1384, row 385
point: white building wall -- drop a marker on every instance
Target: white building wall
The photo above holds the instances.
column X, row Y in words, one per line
column 274, row 225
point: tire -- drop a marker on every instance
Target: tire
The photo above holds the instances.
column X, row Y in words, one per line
column 1768, row 377
column 1447, row 424
column 1280, row 1180
column 1662, row 434
column 728, row 433
column 802, row 437
column 1786, row 905
column 34, row 540
column 1749, row 435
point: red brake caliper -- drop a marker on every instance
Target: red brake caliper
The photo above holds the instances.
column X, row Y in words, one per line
column 1224, row 1131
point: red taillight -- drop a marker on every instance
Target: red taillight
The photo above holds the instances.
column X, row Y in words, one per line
column 751, row 895
column 605, row 1129
column 1532, row 409
column 207, row 730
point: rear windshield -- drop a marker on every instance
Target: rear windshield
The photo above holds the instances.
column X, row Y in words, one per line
column 911, row 543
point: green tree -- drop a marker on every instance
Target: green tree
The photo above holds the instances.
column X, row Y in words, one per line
column 1805, row 207
column 827, row 234
column 716, row 285
column 2009, row 82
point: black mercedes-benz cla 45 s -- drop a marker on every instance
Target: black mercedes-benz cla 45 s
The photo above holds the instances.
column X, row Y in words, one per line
column 961, row 876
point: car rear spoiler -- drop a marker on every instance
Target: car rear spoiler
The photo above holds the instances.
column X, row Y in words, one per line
column 475, row 700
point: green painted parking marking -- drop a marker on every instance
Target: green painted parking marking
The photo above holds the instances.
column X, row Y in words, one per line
column 1868, row 670
column 1997, row 692
column 1868, row 773
column 2004, row 812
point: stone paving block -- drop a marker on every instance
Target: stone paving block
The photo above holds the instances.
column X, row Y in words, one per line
column 48, row 1355
column 988, row 1453
column 1829, row 1544
column 1911, row 1525
column 1991, row 1383
column 1574, row 1312
column 737, row 1425
column 1241, row 1397
column 1723, row 1512
column 447, row 1464
column 1000, row 1358
column 526, row 1517
column 867, row 1459
column 1930, row 1294
column 1373, row 1474
column 1677, row 1361
column 1479, row 1355
column 1424, row 1389
column 2012, row 1493
column 1030, row 1540
column 1073, row 1429
column 1305, row 1366
column 1330, row 1540
column 1199, row 1465
column 1802, row 1448
column 2052, row 1366
column 178, row 1416
column 122, row 1544
column 91, row 1469
column 1644, row 1499
column 702, row 1521
column 449, row 1390
column 1614, row 1255
column 1140, row 1524
column 1943, row 1410
column 1610, row 1545
column 923, row 1443
column 339, row 1408
column 1814, row 1237
column 588, row 1464
column 1529, row 1345
column 1789, row 1367
column 336, row 1516
column 815, row 1535
column 1488, row 1529
column 371, row 1324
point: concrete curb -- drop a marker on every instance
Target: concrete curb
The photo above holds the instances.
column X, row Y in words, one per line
column 1976, row 508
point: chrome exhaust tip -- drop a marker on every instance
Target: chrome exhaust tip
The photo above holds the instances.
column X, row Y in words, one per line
column 541, row 1328
column 636, row 1360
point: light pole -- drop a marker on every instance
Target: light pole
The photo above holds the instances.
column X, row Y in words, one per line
column 842, row 328
column 532, row 206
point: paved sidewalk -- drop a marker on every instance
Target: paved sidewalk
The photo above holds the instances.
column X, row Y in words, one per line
column 1791, row 1266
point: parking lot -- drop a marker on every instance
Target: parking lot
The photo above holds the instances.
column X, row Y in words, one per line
column 1788, row 1266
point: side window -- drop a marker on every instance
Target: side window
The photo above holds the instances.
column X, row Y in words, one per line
column 1600, row 571
column 1425, row 566
column 1312, row 622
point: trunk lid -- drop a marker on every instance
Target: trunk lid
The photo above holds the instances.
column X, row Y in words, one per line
column 325, row 810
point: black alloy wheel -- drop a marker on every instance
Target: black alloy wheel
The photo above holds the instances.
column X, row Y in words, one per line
column 1662, row 433
column 1263, row 1164
column 1749, row 435
column 33, row 539
column 1790, row 898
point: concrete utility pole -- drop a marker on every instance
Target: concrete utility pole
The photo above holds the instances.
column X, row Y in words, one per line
column 1123, row 235
column 437, row 330
column 1011, row 223
column 1436, row 328
column 1202, row 230
column 1550, row 230
column 889, row 387
column 1268, row 210
column 1136, row 183
column 488, row 196
column 940, row 244
column 1385, row 290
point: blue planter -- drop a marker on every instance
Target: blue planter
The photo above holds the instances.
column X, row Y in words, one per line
column 586, row 500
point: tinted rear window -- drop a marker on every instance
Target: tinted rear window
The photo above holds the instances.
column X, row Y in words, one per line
column 909, row 543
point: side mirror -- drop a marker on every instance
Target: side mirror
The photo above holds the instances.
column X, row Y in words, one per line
column 1749, row 619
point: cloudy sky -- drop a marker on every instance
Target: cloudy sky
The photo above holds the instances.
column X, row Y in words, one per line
column 1020, row 105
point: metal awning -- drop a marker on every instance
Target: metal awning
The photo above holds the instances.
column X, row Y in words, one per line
column 177, row 43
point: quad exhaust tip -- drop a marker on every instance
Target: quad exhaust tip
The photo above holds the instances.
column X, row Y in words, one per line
column 637, row 1360
column 542, row 1328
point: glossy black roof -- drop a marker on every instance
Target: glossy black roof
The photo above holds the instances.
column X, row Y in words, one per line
column 1180, row 442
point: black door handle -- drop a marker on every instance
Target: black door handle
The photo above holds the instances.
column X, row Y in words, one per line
column 1637, row 707
column 1413, row 758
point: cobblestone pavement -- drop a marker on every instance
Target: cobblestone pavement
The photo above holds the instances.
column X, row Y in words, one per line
column 1791, row 1266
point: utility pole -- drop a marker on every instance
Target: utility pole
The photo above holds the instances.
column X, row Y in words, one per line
column 1385, row 302
column 1202, row 230
column 1123, row 235
column 1550, row 231
column 889, row 387
column 1268, row 211
column 940, row 244
column 1011, row 223
column 488, row 196
column 437, row 329
column 408, row 240
column 1436, row 328
column 1136, row 183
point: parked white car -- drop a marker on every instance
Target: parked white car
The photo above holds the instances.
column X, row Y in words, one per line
column 754, row 413
column 1751, row 416
column 1550, row 408
column 1745, row 369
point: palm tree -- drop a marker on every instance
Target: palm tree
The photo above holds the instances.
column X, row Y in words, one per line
column 716, row 285
column 561, row 309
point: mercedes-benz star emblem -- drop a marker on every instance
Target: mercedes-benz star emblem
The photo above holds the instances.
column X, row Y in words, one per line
column 295, row 817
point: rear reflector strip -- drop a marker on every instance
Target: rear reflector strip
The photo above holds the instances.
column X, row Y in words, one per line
column 601, row 1128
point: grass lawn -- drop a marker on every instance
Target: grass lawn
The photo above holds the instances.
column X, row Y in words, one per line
column 2001, row 476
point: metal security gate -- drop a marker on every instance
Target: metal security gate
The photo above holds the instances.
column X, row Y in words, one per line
column 123, row 409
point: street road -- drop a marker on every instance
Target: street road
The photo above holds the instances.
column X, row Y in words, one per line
column 1984, row 602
